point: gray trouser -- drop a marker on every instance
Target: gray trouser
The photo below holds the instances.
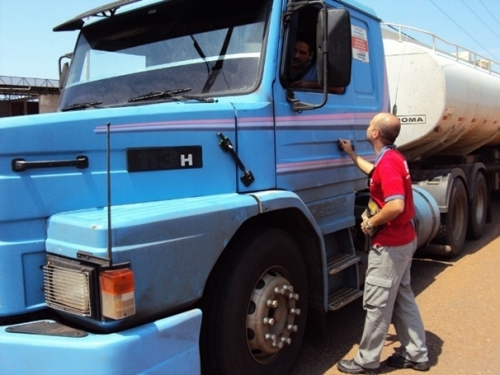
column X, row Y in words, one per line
column 387, row 296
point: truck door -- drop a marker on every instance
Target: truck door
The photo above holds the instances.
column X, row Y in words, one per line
column 309, row 161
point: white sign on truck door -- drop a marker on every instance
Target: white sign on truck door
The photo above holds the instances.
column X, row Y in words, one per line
column 360, row 44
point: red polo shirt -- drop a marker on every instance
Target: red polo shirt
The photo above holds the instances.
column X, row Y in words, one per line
column 391, row 180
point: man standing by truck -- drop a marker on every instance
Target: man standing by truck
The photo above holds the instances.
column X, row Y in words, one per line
column 387, row 293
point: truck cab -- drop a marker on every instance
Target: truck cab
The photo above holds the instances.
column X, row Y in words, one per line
column 187, row 208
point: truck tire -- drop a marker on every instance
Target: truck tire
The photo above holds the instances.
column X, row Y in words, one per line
column 255, row 312
column 478, row 208
column 453, row 227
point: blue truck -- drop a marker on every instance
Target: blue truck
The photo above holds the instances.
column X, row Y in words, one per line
column 186, row 210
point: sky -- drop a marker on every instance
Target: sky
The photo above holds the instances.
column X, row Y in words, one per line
column 29, row 48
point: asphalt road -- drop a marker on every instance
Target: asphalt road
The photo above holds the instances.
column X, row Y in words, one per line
column 459, row 300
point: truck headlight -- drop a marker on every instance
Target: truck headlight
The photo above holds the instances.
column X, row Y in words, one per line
column 87, row 289
column 68, row 286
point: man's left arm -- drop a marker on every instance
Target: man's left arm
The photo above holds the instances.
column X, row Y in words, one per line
column 313, row 85
column 390, row 211
column 310, row 81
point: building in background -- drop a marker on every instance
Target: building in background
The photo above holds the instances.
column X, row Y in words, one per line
column 27, row 96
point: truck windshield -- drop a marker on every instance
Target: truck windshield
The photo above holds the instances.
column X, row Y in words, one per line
column 209, row 48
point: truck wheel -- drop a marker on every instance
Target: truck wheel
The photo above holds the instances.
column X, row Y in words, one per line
column 478, row 208
column 453, row 227
column 256, row 309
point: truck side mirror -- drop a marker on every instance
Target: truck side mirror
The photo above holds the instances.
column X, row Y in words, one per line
column 335, row 45
column 63, row 70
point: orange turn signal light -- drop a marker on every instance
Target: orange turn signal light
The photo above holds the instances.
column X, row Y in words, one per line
column 117, row 293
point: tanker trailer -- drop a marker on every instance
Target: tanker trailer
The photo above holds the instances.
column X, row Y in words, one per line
column 448, row 101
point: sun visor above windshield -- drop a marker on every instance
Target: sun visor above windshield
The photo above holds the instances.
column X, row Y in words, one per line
column 108, row 10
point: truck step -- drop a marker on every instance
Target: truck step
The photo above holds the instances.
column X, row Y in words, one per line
column 342, row 297
column 340, row 262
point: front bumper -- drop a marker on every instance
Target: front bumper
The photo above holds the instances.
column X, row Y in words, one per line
column 167, row 346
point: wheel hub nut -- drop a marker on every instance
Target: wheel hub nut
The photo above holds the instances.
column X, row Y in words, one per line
column 270, row 320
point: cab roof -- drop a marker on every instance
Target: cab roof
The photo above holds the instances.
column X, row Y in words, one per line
column 110, row 9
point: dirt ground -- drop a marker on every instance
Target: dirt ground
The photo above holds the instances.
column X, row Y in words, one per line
column 459, row 300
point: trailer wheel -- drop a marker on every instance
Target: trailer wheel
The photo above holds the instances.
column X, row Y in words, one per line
column 453, row 227
column 478, row 208
column 255, row 312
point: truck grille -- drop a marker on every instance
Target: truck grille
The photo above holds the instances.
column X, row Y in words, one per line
column 68, row 289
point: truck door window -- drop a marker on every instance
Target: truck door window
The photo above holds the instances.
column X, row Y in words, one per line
column 302, row 74
column 304, row 67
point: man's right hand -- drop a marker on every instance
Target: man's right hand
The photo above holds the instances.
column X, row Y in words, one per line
column 346, row 145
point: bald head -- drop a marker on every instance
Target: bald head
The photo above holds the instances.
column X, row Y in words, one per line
column 388, row 126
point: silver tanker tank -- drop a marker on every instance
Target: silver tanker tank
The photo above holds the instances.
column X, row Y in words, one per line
column 448, row 102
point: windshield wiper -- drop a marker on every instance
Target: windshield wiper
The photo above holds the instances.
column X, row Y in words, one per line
column 200, row 53
column 199, row 98
column 172, row 94
column 81, row 106
column 217, row 68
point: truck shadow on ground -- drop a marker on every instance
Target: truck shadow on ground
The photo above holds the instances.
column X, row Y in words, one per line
column 345, row 326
